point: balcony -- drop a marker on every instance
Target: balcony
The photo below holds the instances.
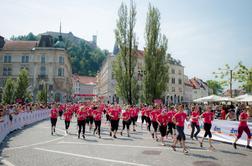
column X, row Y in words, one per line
column 42, row 77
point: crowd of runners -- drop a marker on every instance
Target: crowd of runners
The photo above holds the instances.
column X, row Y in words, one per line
column 168, row 121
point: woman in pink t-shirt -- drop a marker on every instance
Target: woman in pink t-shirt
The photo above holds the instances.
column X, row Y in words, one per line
column 54, row 116
column 195, row 122
column 243, row 126
column 208, row 118
column 179, row 119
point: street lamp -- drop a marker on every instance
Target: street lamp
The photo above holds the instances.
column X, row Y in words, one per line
column 228, row 71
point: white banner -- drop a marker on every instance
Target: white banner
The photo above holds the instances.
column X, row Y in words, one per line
column 20, row 120
column 222, row 130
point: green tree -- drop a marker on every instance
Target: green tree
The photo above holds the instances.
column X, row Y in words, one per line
column 155, row 60
column 244, row 76
column 8, row 91
column 41, row 96
column 239, row 73
column 21, row 91
column 29, row 37
column 215, row 86
column 125, row 62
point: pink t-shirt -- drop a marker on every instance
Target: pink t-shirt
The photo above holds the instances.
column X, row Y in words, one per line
column 243, row 116
column 126, row 116
column 180, row 118
column 195, row 117
column 170, row 114
column 54, row 113
column 162, row 119
column 208, row 117
column 97, row 114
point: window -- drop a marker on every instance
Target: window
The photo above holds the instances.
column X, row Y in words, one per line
column 180, row 81
column 60, row 72
column 173, row 80
column 7, row 59
column 173, row 71
column 25, row 59
column 173, row 89
column 42, row 70
column 180, row 89
column 43, row 59
column 179, row 72
column 61, row 60
column 6, row 71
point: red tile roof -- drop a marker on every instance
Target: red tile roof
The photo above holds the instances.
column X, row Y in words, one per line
column 19, row 45
column 85, row 79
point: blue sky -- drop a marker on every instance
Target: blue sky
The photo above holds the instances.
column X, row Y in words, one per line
column 203, row 34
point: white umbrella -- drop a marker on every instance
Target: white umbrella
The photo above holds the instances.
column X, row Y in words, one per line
column 210, row 98
column 226, row 99
column 241, row 96
column 246, row 99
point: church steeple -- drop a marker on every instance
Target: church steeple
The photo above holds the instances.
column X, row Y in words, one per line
column 60, row 35
column 60, row 43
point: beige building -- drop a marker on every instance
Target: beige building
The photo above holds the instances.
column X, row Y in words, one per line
column 188, row 90
column 175, row 92
column 106, row 83
column 84, row 87
column 200, row 88
column 48, row 65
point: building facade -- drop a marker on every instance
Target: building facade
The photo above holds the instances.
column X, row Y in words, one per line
column 48, row 65
column 188, row 90
column 106, row 83
column 200, row 88
column 175, row 93
column 84, row 87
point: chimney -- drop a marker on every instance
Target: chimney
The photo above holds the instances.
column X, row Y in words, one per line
column 2, row 42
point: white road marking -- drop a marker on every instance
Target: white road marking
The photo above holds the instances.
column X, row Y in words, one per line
column 115, row 145
column 121, row 145
column 90, row 157
column 6, row 162
column 26, row 146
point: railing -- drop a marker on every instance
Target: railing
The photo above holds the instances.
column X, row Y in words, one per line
column 20, row 120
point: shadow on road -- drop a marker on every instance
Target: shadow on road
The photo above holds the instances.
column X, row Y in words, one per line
column 234, row 153
column 202, row 156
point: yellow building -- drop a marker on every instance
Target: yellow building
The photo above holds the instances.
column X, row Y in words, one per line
column 47, row 63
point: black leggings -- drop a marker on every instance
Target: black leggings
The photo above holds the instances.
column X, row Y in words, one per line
column 53, row 122
column 155, row 126
column 207, row 128
column 171, row 126
column 163, row 130
column 193, row 125
column 90, row 120
column 148, row 122
column 81, row 124
column 67, row 124
column 134, row 119
column 98, row 126
column 181, row 134
column 126, row 123
column 143, row 118
column 114, row 125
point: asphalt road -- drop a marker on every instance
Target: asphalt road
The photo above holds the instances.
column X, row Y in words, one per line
column 35, row 146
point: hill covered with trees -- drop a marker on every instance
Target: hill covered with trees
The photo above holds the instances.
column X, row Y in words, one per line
column 85, row 57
